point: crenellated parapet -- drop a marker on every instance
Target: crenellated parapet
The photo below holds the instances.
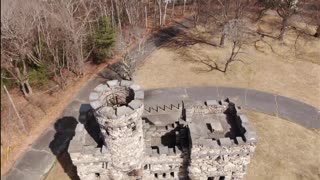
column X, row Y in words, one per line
column 174, row 140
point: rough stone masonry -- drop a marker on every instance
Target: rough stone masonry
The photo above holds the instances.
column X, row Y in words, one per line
column 123, row 139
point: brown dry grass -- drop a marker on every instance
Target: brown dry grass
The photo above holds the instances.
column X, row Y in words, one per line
column 288, row 71
column 285, row 151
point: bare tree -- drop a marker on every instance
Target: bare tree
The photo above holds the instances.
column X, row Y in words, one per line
column 73, row 18
column 18, row 29
column 284, row 8
column 166, row 2
column 229, row 10
column 236, row 32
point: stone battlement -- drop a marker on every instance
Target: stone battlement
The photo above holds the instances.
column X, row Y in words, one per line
column 177, row 140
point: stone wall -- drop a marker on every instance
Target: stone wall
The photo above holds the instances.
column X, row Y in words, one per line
column 220, row 157
column 223, row 158
column 118, row 109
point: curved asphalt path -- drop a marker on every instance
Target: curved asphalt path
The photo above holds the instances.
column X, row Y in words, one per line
column 39, row 158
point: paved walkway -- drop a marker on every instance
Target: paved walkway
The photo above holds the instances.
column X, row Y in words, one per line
column 38, row 159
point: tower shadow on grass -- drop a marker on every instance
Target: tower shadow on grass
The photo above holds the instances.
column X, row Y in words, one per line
column 65, row 130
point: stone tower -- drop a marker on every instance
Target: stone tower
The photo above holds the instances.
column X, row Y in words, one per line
column 118, row 107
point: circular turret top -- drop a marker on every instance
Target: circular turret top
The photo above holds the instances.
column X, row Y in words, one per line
column 116, row 98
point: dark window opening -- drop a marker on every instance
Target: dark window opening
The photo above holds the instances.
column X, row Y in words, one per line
column 97, row 174
column 156, row 175
column 146, row 166
column 164, row 175
column 221, row 178
column 172, row 174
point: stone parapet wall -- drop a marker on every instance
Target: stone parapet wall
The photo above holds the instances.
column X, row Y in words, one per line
column 165, row 163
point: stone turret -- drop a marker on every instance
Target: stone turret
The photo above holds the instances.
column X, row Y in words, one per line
column 118, row 107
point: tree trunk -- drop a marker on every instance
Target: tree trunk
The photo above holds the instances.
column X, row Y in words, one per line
column 160, row 13
column 184, row 6
column 146, row 16
column 172, row 12
column 15, row 110
column 284, row 26
column 112, row 14
column 129, row 16
column 29, row 89
column 317, row 34
column 118, row 14
column 165, row 13
column 223, row 36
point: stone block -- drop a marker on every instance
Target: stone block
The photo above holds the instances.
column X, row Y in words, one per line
column 123, row 110
column 89, row 150
column 146, row 125
column 216, row 126
column 161, row 129
column 113, row 83
column 79, row 128
column 126, row 83
column 95, row 104
column 135, row 87
column 139, row 94
column 155, row 152
column 101, row 88
column 148, row 151
column 211, row 143
column 171, row 151
column 75, row 146
column 225, row 142
column 212, row 103
column 104, row 150
column 244, row 118
column 240, row 141
column 89, row 141
column 93, row 96
column 107, row 111
column 251, row 136
column 163, row 150
column 135, row 104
